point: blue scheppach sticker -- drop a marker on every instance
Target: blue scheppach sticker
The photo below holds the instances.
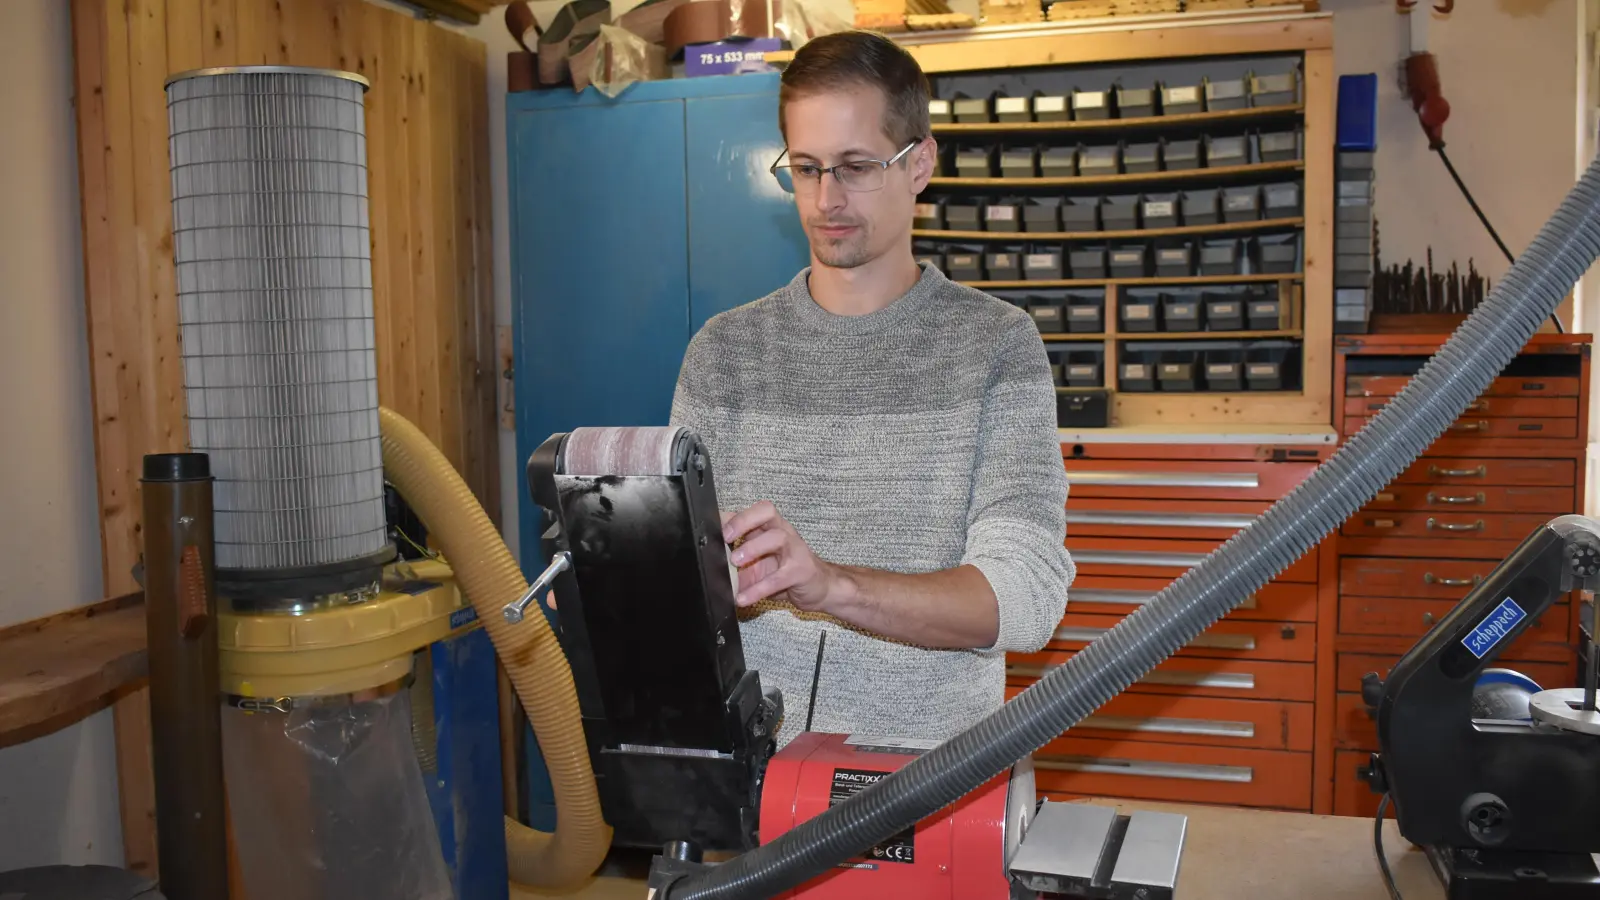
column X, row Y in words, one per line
column 1494, row 628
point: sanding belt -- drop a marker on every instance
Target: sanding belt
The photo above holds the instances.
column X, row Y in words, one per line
column 598, row 452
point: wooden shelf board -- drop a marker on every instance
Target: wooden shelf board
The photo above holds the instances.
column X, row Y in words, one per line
column 1090, row 125
column 61, row 665
column 1067, row 337
column 1220, row 433
column 1182, row 175
column 1181, row 231
column 1147, row 336
column 1132, row 282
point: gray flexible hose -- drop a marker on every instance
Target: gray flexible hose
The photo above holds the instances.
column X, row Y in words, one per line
column 1462, row 369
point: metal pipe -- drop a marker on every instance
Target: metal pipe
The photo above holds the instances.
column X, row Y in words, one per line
column 185, row 701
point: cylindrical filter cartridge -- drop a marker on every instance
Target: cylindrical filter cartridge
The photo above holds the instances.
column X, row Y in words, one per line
column 273, row 253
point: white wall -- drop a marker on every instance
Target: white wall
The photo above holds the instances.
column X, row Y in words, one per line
column 58, row 799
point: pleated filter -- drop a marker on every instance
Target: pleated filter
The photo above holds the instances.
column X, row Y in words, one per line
column 274, row 276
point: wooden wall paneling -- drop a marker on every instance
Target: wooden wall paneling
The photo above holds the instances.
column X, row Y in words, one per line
column 377, row 62
column 1317, row 249
column 220, row 33
column 441, row 99
column 485, row 442
column 424, row 234
column 185, row 35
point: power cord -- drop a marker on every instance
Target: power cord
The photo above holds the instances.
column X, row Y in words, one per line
column 1377, row 847
column 1438, row 147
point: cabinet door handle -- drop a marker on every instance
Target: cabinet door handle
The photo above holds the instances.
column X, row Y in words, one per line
column 1477, row 472
column 1158, row 725
column 1166, row 479
column 1144, row 768
column 1156, row 519
column 1209, row 641
column 1454, row 526
column 1457, row 500
column 1431, row 578
column 1130, row 598
column 1138, row 558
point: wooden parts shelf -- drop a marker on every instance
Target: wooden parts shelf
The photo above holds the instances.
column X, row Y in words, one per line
column 55, row 670
column 1219, row 173
column 1219, row 117
column 1133, row 282
column 1181, row 231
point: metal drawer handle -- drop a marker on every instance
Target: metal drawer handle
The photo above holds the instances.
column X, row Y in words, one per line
column 1447, row 526
column 1461, row 500
column 1209, row 641
column 1202, row 727
column 1481, row 425
column 1157, row 520
column 1430, row 578
column 1228, row 681
column 1478, row 472
column 1145, row 768
column 1427, row 618
column 1167, row 479
column 1131, row 598
column 1138, row 558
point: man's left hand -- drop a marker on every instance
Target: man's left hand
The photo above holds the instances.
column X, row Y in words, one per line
column 775, row 562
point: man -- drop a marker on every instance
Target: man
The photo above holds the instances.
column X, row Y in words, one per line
column 887, row 437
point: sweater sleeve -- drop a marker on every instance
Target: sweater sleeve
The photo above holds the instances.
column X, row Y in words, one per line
column 692, row 399
column 1016, row 530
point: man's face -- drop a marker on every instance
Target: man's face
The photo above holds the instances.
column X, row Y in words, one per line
column 849, row 228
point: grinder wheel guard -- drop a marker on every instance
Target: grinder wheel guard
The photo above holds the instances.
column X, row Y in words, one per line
column 1565, row 247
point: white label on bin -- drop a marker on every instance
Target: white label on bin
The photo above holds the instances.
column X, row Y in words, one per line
column 1089, row 100
column 1135, row 370
column 927, row 210
column 1265, row 369
column 1220, row 369
column 1264, row 309
column 1001, row 260
column 1044, row 312
column 1126, row 257
column 1182, row 310
column 1050, row 104
column 1142, row 311
column 1173, row 368
column 957, row 262
column 1176, row 255
column 1084, row 312
column 1041, row 260
column 1085, row 371
column 1011, row 104
column 1234, row 202
column 1183, row 95
column 1224, row 309
column 1158, row 208
column 1000, row 213
column 939, row 107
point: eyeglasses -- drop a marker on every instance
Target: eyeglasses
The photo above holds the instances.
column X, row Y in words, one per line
column 858, row 175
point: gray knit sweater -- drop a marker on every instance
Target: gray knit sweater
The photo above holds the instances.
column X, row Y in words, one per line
column 916, row 438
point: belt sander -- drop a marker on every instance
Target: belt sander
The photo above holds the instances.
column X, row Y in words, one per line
column 681, row 734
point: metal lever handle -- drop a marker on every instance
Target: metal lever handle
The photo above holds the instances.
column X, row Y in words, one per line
column 514, row 612
column 1457, row 526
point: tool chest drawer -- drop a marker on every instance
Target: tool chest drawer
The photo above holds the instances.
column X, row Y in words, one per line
column 1531, row 386
column 1455, row 470
column 1479, row 426
column 1167, row 559
column 1248, row 679
column 1176, row 772
column 1353, row 728
column 1439, row 525
column 1545, row 502
column 1353, row 666
column 1496, row 407
column 1275, row 602
column 1171, row 719
column 1433, row 579
column 1397, row 617
column 1144, row 479
column 1287, row 642
column 1125, row 517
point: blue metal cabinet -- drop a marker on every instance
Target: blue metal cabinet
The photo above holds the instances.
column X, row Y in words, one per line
column 633, row 221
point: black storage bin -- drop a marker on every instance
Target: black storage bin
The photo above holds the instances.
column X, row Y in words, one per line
column 1183, row 99
column 1130, row 261
column 1088, row 105
column 1263, row 313
column 1083, row 367
column 1224, row 369
column 1086, row 315
column 1176, row 370
column 1222, row 95
column 1176, row 261
column 1274, row 90
column 1089, row 262
column 1013, row 109
column 1241, row 204
column 1043, row 266
column 1080, row 214
column 1005, row 215
column 963, row 217
column 1279, row 146
column 929, row 216
column 964, row 266
column 1099, row 161
column 934, row 259
column 1224, row 311
column 1280, row 201
column 1083, row 409
column 1058, row 162
column 1141, row 158
column 1018, row 162
column 971, row 109
column 1140, row 312
column 1226, row 151
column 1278, row 254
column 1219, row 257
column 1136, row 372
column 1120, row 213
column 1042, row 214
column 1136, row 103
column 940, row 112
column 1002, row 266
column 1180, row 312
column 975, row 162
column 1200, row 207
column 1046, row 316
column 1271, row 366
column 1160, row 211
column 1051, row 108
column 1177, row 156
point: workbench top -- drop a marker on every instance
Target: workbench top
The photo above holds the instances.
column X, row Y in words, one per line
column 1238, row 853
column 1309, row 435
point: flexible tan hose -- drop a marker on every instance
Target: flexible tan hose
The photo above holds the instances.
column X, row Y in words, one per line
column 490, row 578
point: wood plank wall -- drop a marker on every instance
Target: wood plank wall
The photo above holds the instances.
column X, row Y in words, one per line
column 428, row 132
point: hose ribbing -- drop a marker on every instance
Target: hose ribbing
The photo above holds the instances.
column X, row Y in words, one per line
column 1462, row 369
column 490, row 578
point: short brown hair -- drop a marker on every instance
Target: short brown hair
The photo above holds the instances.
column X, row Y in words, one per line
column 849, row 59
